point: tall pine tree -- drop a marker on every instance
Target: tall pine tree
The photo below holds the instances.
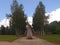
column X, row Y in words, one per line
column 17, row 18
column 39, row 19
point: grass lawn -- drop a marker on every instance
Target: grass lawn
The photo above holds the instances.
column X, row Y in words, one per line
column 55, row 38
column 9, row 38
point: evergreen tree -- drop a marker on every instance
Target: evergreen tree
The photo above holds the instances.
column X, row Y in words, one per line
column 2, row 30
column 39, row 19
column 17, row 18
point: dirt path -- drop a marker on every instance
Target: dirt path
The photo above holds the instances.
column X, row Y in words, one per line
column 24, row 41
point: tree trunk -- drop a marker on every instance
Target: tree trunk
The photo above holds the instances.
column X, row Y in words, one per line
column 17, row 33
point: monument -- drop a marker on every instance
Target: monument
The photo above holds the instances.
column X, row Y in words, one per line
column 29, row 31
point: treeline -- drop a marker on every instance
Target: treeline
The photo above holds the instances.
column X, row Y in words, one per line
column 53, row 28
column 6, row 31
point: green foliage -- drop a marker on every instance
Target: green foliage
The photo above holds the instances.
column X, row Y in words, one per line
column 18, row 18
column 39, row 18
column 53, row 27
column 6, row 31
column 2, row 30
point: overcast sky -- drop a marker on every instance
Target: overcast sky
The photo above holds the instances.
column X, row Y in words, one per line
column 52, row 8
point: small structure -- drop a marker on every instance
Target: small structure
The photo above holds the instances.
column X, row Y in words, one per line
column 29, row 31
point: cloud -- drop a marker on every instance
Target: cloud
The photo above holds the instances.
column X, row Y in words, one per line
column 54, row 15
column 30, row 20
column 4, row 22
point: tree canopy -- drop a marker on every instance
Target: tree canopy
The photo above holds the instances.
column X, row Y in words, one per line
column 39, row 18
column 17, row 18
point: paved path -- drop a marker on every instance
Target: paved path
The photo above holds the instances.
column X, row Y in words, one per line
column 25, row 41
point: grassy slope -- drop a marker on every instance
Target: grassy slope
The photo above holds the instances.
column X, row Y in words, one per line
column 55, row 38
column 7, row 38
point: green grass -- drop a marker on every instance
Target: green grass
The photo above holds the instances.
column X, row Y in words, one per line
column 55, row 38
column 9, row 38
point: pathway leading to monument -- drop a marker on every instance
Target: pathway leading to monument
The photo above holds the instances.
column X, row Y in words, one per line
column 24, row 41
column 34, row 41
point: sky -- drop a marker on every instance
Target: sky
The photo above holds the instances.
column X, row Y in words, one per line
column 52, row 8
